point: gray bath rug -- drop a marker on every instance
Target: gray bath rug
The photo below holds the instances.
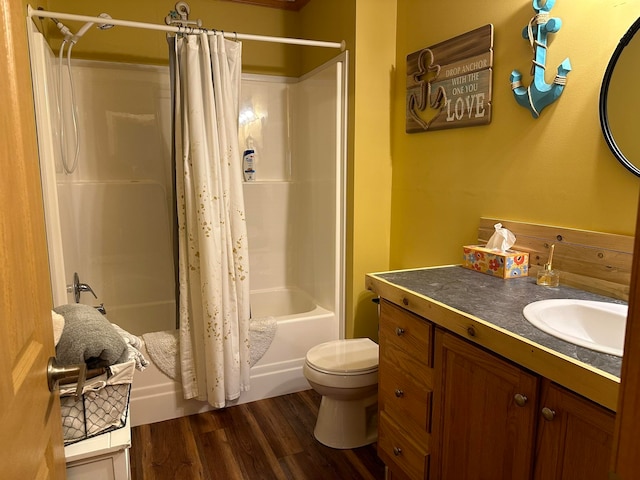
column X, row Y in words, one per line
column 164, row 347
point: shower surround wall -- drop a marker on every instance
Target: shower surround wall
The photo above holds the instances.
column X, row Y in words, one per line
column 112, row 219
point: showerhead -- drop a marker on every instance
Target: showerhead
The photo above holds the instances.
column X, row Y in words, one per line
column 81, row 32
column 88, row 25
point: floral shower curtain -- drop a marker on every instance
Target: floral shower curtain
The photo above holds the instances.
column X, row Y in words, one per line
column 212, row 236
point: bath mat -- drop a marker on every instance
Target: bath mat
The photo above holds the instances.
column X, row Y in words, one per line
column 163, row 347
column 261, row 334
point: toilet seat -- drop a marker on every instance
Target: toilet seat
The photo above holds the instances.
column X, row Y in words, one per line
column 355, row 356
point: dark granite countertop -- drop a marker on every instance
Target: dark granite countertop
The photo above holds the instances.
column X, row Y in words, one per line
column 500, row 302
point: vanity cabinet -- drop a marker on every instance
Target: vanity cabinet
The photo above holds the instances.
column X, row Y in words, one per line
column 452, row 410
column 484, row 414
column 575, row 436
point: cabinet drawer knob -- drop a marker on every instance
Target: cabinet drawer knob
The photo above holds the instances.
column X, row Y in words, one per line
column 399, row 331
column 548, row 414
column 399, row 393
column 521, row 400
column 471, row 331
column 397, row 451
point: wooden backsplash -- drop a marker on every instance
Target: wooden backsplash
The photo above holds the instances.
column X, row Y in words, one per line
column 593, row 261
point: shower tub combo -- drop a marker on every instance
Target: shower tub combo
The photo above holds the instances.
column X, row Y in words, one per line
column 111, row 219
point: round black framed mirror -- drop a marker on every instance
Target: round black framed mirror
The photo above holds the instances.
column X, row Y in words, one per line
column 620, row 99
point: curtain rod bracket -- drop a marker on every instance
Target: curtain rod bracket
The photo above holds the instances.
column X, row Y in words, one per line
column 180, row 16
column 183, row 9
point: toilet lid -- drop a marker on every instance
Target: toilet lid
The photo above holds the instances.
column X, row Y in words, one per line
column 355, row 355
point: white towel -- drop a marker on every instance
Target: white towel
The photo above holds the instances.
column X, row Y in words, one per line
column 58, row 326
column 134, row 344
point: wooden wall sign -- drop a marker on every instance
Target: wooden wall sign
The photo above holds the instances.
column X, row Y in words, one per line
column 449, row 84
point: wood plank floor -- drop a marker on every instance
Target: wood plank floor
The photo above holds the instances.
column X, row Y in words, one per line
column 267, row 439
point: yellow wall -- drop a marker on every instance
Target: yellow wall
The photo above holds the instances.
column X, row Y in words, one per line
column 370, row 167
column 554, row 170
column 331, row 21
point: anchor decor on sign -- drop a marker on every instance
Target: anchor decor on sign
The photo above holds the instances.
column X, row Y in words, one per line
column 449, row 84
column 539, row 94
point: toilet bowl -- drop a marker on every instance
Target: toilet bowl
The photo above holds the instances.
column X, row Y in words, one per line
column 345, row 373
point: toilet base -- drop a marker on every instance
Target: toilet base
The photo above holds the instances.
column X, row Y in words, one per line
column 347, row 424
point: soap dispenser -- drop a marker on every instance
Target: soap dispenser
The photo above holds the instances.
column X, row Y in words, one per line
column 548, row 277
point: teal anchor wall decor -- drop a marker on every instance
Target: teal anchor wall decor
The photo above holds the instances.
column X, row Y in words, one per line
column 539, row 94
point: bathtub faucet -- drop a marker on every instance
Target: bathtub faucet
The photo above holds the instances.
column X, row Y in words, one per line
column 77, row 288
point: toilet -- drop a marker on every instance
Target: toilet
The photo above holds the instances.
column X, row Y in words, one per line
column 345, row 373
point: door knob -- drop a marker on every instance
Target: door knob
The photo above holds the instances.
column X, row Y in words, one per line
column 520, row 399
column 56, row 373
column 548, row 414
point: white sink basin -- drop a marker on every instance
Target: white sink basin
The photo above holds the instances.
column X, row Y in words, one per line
column 599, row 326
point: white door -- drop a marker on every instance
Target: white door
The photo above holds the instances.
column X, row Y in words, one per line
column 30, row 426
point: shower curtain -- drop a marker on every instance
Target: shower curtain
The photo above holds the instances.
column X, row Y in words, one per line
column 212, row 236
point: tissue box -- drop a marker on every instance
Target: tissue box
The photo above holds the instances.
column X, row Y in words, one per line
column 507, row 264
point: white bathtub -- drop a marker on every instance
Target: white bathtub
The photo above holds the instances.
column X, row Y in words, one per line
column 301, row 325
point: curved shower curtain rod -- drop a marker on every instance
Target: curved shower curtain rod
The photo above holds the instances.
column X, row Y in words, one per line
column 31, row 12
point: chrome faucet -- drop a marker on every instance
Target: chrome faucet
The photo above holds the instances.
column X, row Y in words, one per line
column 77, row 288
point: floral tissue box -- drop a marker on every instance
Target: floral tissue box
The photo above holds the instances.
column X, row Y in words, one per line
column 507, row 264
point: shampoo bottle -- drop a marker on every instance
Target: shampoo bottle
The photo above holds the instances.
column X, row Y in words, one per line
column 249, row 161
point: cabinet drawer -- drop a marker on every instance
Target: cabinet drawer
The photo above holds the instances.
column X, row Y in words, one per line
column 406, row 331
column 406, row 400
column 396, row 449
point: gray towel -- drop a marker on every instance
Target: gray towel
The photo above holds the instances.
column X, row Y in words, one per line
column 88, row 337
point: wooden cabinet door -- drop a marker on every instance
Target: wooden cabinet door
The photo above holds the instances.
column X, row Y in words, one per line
column 574, row 437
column 479, row 429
